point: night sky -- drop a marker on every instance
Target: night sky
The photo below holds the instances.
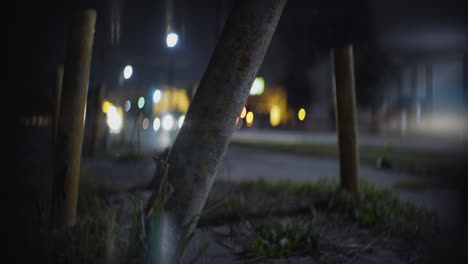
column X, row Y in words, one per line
column 304, row 36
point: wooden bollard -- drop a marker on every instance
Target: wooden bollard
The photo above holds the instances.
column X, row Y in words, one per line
column 345, row 104
column 57, row 98
column 96, row 121
column 71, row 119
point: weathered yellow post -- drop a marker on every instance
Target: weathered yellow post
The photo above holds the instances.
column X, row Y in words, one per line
column 345, row 103
column 71, row 119
column 58, row 95
column 97, row 119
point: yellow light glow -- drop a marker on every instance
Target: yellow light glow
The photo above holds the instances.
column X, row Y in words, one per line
column 106, row 105
column 120, row 111
column 171, row 99
column 301, row 114
column 244, row 112
column 275, row 115
column 249, row 118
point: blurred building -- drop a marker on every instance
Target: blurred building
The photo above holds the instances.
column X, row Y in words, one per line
column 270, row 106
column 429, row 46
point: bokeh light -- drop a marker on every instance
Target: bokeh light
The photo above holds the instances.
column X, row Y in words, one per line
column 249, row 119
column 275, row 115
column 141, row 102
column 128, row 72
column 301, row 114
column 171, row 40
column 156, row 124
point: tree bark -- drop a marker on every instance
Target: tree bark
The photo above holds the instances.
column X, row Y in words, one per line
column 71, row 119
column 203, row 139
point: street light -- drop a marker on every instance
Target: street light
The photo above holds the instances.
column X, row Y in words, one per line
column 157, row 96
column 128, row 71
column 168, row 122
column 171, row 39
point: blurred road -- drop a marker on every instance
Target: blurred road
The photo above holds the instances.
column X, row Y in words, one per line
column 421, row 142
column 241, row 164
column 33, row 172
column 157, row 141
column 34, row 160
column 248, row 164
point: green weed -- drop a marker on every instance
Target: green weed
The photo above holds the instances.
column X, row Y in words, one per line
column 277, row 239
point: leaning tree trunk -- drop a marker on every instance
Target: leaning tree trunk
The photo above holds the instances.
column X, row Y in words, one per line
column 208, row 127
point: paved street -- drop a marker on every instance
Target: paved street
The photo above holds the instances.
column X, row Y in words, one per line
column 420, row 142
column 247, row 164
column 242, row 164
column 239, row 164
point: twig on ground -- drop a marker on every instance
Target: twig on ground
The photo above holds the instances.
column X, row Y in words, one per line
column 365, row 248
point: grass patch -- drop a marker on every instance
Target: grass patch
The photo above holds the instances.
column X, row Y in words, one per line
column 278, row 239
column 235, row 202
column 376, row 206
column 277, row 234
column 93, row 238
column 317, row 220
column 372, row 206
column 97, row 236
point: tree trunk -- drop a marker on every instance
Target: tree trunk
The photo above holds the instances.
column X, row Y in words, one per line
column 203, row 139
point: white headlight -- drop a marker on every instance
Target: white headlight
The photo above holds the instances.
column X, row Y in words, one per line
column 156, row 124
column 114, row 121
column 168, row 122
